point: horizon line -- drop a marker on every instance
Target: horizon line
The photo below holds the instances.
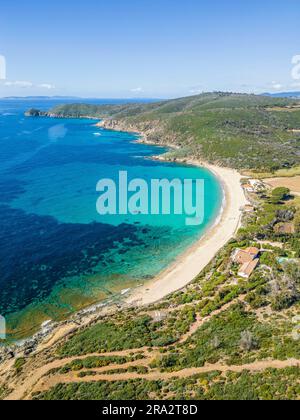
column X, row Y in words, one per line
column 146, row 98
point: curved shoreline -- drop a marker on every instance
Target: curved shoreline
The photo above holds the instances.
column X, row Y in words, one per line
column 190, row 264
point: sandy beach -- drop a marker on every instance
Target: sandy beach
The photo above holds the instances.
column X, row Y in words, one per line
column 185, row 269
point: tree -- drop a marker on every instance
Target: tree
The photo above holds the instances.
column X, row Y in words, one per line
column 280, row 194
column 285, row 288
column 285, row 215
column 292, row 273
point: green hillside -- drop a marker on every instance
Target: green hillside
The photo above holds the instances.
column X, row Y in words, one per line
column 236, row 130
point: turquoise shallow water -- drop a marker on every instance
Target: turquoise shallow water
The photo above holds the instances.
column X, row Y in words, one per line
column 57, row 254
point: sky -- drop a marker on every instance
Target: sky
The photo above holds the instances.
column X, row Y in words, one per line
column 148, row 48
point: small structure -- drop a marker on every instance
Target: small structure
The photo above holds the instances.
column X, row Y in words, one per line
column 248, row 188
column 247, row 269
column 257, row 185
column 248, row 208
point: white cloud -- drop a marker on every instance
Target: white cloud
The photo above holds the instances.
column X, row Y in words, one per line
column 46, row 86
column 23, row 84
column 19, row 83
column 296, row 68
column 277, row 86
column 137, row 90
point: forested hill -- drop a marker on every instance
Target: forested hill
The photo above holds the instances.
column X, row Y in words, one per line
column 235, row 130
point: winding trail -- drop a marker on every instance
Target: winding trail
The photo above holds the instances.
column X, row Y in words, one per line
column 72, row 377
column 200, row 321
column 24, row 385
column 31, row 380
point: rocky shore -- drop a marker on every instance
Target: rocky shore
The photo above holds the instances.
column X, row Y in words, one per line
column 50, row 330
column 149, row 132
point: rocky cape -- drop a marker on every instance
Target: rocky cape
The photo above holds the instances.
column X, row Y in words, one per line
column 36, row 113
column 149, row 132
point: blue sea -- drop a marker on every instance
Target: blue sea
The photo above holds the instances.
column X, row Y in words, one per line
column 57, row 254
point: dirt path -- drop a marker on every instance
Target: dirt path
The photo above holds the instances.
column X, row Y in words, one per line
column 33, row 374
column 200, row 321
column 22, row 386
column 153, row 376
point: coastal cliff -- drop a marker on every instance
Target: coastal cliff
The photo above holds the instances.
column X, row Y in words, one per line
column 227, row 129
column 150, row 132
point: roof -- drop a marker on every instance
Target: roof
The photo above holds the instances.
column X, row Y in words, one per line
column 252, row 251
column 247, row 269
column 243, row 256
column 254, row 182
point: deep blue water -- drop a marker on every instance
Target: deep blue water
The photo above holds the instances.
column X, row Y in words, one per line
column 57, row 254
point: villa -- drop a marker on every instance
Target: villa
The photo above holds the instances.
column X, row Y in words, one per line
column 248, row 259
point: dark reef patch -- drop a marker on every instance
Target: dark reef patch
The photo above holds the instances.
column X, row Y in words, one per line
column 37, row 251
column 10, row 189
